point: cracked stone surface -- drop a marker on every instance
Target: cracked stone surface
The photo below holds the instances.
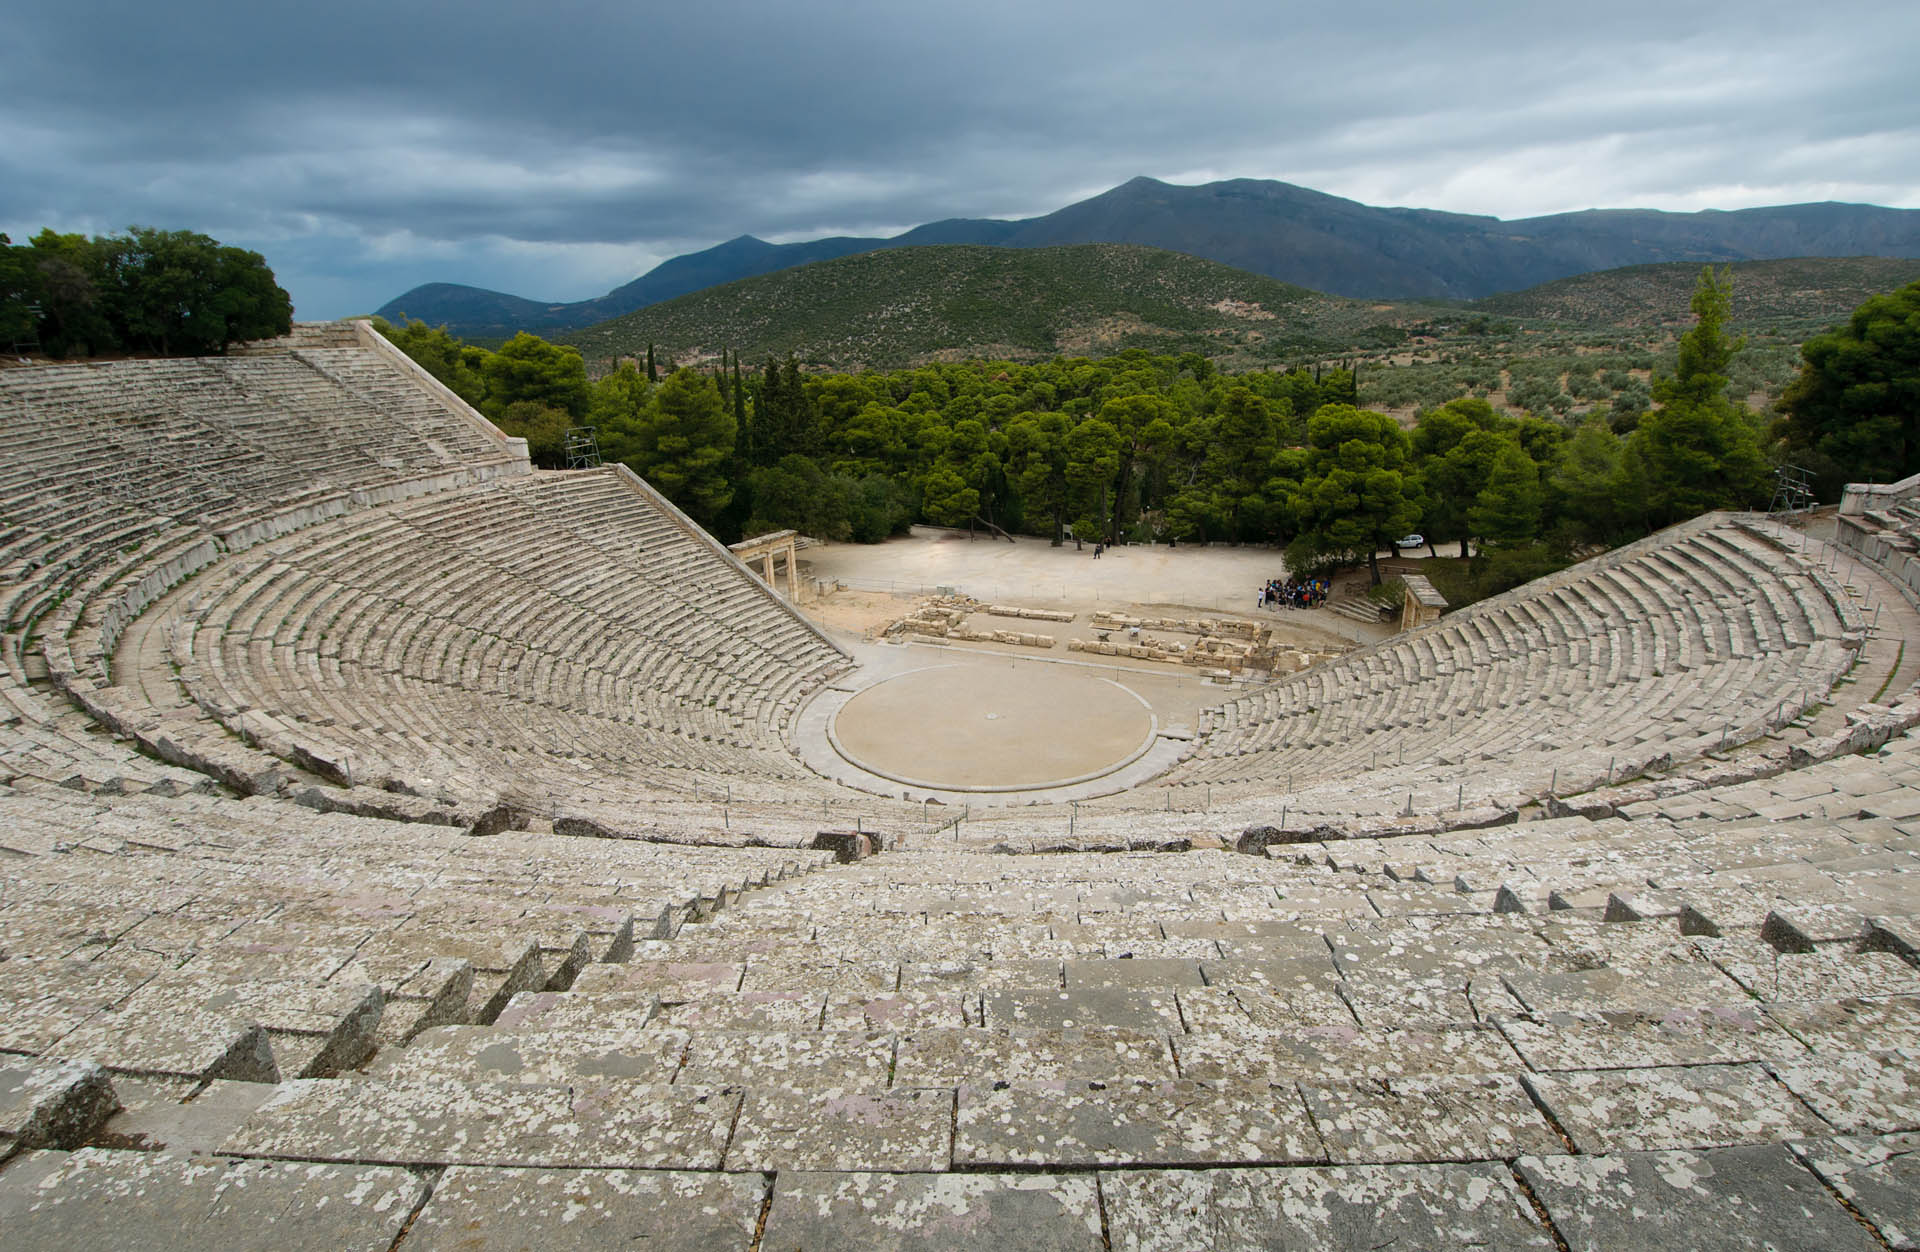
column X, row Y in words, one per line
column 1852, row 1025
column 1878, row 1176
column 1335, row 1052
column 456, row 1053
column 96, row 1198
column 1726, row 1200
column 930, row 1212
column 837, row 1129
column 1697, row 1106
column 1077, row 1124
column 1092, row 1006
column 484, row 1210
column 1448, row 1118
column 1625, row 1040
column 818, row 1060
column 947, row 1058
column 1347, row 1207
column 612, row 1125
column 1873, row 1092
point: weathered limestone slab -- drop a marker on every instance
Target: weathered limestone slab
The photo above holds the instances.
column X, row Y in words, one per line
column 1728, row 1200
column 1427, row 1119
column 1348, row 1207
column 200, row 1026
column 1308, row 972
column 52, row 1104
column 613, row 1125
column 1826, row 974
column 613, row 1013
column 1231, row 1010
column 1873, row 1092
column 1078, row 1124
column 95, row 1198
column 745, row 1010
column 1654, row 990
column 42, row 1001
column 1723, row 1035
column 837, row 1129
column 1017, row 974
column 1343, row 1051
column 671, row 981
column 947, row 1058
column 1880, row 1177
column 1695, row 1106
column 816, row 1060
column 934, row 1212
column 1852, row 1025
column 1094, row 1006
column 484, row 1210
column 458, row 1053
column 157, row 1113
column 1382, row 1000
column 1463, row 951
column 795, row 972
column 1132, row 972
column 903, row 1010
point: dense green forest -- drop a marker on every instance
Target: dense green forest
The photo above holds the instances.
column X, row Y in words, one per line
column 164, row 291
column 1144, row 447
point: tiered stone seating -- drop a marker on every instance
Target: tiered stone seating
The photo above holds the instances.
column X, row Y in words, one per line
column 1703, row 636
column 126, row 477
column 544, row 630
column 1444, row 1040
column 200, row 937
column 1680, row 1009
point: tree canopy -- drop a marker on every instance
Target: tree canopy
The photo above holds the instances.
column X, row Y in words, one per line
column 1854, row 411
column 161, row 291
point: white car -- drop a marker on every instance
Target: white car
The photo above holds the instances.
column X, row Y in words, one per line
column 1410, row 541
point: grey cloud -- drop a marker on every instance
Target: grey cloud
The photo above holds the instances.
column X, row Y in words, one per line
column 472, row 129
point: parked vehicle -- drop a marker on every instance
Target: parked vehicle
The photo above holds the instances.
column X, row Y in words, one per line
column 1410, row 541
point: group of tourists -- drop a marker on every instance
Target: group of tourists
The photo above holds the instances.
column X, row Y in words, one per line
column 1294, row 593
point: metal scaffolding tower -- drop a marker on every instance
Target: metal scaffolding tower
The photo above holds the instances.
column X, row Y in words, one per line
column 583, row 448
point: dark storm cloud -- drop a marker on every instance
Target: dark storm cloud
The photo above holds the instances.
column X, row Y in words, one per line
column 556, row 150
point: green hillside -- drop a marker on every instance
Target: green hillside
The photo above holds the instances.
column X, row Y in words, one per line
column 1801, row 294
column 907, row 306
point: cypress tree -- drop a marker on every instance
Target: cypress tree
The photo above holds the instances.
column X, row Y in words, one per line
column 653, row 373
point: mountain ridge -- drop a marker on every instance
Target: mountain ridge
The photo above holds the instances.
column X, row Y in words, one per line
column 1294, row 234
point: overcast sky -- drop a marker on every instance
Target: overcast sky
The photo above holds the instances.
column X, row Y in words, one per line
column 558, row 150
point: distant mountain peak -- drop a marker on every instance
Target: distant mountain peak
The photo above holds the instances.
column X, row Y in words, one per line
column 1282, row 230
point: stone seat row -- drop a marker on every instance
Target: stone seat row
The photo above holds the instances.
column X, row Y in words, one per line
column 264, row 941
column 1511, row 656
column 332, row 635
